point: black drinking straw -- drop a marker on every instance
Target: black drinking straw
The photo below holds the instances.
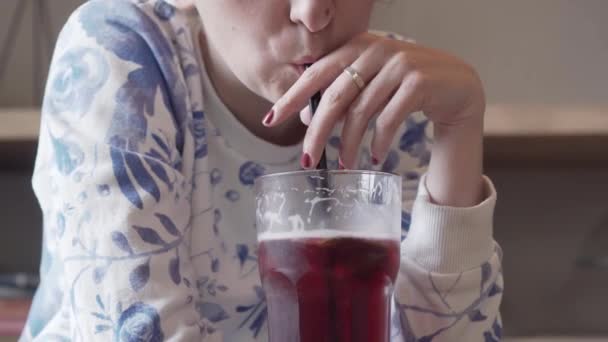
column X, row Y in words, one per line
column 333, row 315
column 314, row 104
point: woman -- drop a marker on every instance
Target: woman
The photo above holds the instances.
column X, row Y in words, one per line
column 158, row 118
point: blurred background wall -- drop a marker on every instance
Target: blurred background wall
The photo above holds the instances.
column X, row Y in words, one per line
column 550, row 51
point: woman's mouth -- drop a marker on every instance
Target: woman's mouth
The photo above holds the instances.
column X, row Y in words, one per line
column 299, row 68
column 300, row 64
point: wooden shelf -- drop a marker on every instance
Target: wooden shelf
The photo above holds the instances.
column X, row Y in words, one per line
column 19, row 124
column 546, row 121
column 546, row 136
column 539, row 135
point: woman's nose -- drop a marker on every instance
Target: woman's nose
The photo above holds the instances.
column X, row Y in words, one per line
column 314, row 14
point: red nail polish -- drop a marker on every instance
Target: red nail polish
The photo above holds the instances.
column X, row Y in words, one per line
column 268, row 118
column 375, row 161
column 306, row 161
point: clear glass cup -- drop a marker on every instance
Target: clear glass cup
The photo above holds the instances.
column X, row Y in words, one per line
column 328, row 253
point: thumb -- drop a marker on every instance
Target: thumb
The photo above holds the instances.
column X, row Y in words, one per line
column 306, row 115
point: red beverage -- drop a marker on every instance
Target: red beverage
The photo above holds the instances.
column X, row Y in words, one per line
column 334, row 289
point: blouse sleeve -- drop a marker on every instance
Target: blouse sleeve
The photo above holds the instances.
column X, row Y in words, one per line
column 449, row 285
column 112, row 184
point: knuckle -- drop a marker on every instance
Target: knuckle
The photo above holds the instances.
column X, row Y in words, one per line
column 404, row 60
column 358, row 110
column 358, row 114
column 386, row 124
column 311, row 74
column 381, row 48
column 397, row 68
column 418, row 80
column 334, row 97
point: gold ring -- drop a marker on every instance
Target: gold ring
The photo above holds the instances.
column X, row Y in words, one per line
column 356, row 77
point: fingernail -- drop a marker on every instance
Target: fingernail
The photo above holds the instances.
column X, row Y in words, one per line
column 375, row 161
column 268, row 118
column 306, row 161
column 340, row 164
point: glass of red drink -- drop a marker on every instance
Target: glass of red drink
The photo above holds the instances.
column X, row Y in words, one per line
column 328, row 253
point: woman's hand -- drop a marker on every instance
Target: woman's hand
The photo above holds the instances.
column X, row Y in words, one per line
column 400, row 78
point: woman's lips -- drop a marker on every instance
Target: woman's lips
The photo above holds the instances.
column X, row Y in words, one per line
column 305, row 60
column 301, row 63
column 299, row 68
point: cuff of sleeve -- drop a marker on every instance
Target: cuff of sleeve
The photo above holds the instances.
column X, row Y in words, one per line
column 446, row 239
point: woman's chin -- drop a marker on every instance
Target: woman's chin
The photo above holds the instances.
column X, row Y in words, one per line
column 276, row 87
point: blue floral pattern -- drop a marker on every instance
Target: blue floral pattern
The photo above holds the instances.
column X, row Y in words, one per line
column 68, row 156
column 149, row 230
column 415, row 140
column 139, row 323
column 249, row 172
column 450, row 316
column 164, row 10
column 256, row 313
column 74, row 81
column 198, row 131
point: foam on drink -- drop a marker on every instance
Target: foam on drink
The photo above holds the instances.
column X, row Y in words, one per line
column 327, row 234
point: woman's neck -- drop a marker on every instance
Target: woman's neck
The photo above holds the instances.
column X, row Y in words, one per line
column 246, row 106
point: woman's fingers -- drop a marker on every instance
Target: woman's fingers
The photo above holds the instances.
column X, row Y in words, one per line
column 409, row 98
column 337, row 99
column 372, row 99
column 317, row 77
column 333, row 105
